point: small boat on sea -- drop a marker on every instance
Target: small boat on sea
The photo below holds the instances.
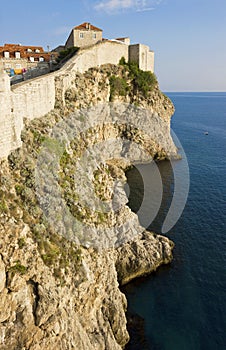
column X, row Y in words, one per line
column 206, row 133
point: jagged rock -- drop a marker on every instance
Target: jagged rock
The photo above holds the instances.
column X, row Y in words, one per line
column 142, row 256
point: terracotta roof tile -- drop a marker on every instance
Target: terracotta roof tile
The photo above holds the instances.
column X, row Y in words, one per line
column 18, row 47
column 87, row 26
column 24, row 53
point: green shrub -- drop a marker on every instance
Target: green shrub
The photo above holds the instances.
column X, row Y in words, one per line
column 19, row 189
column 122, row 61
column 38, row 137
column 68, row 53
column 118, row 86
column 21, row 242
column 18, row 268
column 3, row 206
column 143, row 81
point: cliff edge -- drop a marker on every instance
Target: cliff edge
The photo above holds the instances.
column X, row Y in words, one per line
column 59, row 279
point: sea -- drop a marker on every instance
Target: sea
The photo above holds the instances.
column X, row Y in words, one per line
column 182, row 306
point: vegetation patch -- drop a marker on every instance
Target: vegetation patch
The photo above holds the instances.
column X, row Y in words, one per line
column 21, row 242
column 141, row 81
column 118, row 86
column 67, row 54
column 18, row 268
column 3, row 206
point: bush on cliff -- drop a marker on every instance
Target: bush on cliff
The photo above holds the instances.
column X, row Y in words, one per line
column 142, row 81
column 118, row 86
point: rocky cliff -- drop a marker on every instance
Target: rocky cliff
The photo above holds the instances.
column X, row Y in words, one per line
column 67, row 238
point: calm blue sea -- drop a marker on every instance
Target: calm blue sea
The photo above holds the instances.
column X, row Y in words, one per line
column 184, row 304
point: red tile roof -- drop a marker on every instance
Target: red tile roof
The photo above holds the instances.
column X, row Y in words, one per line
column 20, row 48
column 88, row 26
column 24, row 53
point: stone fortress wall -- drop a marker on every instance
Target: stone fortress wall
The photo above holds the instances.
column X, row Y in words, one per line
column 141, row 53
column 36, row 97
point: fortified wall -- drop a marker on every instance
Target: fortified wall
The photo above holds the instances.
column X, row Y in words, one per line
column 34, row 98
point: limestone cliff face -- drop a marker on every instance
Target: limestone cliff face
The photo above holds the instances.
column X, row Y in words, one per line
column 60, row 289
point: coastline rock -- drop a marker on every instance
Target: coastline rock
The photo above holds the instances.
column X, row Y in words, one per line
column 142, row 256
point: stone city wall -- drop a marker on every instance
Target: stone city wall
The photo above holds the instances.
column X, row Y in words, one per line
column 141, row 53
column 30, row 99
column 36, row 97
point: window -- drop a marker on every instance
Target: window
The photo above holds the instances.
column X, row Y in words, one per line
column 94, row 36
column 81, row 35
column 41, row 59
column 17, row 54
column 32, row 59
column 18, row 66
column 6, row 54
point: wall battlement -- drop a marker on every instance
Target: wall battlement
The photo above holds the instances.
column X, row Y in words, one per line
column 36, row 97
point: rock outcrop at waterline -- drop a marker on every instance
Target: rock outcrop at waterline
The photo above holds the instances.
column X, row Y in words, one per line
column 142, row 256
column 56, row 293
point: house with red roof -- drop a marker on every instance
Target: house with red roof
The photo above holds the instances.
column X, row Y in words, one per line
column 84, row 35
column 19, row 58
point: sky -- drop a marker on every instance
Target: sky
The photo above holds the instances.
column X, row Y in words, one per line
column 187, row 36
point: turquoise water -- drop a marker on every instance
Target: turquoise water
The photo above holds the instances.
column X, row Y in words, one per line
column 184, row 304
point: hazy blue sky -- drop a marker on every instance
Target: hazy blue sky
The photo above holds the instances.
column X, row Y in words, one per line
column 188, row 36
